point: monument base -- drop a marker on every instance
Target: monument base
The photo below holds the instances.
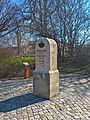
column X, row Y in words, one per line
column 46, row 83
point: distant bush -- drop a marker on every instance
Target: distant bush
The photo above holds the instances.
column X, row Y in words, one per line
column 11, row 65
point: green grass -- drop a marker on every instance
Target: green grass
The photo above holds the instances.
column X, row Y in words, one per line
column 67, row 70
column 11, row 64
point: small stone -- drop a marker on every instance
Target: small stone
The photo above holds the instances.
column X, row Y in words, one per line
column 62, row 100
column 76, row 117
column 14, row 119
column 0, row 81
column 75, row 82
column 89, row 79
column 82, row 81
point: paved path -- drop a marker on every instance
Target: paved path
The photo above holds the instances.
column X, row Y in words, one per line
column 73, row 102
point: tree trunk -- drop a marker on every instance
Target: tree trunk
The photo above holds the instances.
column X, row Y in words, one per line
column 18, row 41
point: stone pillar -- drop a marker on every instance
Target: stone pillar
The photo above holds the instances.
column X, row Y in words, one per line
column 46, row 75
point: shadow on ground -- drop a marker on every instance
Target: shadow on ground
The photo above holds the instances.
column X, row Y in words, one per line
column 19, row 102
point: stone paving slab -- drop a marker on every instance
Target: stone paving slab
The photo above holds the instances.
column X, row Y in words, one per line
column 17, row 101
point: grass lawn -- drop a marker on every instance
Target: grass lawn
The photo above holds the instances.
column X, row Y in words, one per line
column 84, row 70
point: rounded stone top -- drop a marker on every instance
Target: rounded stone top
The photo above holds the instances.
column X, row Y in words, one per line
column 51, row 41
column 41, row 42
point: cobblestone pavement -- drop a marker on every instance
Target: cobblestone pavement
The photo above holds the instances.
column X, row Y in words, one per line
column 73, row 102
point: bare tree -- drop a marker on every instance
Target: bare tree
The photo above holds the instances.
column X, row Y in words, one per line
column 37, row 15
column 73, row 24
column 8, row 40
column 9, row 17
column 67, row 21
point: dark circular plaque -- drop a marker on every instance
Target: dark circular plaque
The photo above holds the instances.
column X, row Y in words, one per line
column 41, row 44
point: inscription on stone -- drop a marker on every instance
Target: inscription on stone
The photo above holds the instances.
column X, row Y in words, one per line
column 42, row 55
column 41, row 58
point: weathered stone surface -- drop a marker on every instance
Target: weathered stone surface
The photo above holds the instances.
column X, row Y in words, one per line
column 44, row 85
column 46, row 75
column 46, row 55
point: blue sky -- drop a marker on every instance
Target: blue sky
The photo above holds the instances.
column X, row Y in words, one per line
column 16, row 1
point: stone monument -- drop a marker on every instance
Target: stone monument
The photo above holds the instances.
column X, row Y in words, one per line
column 46, row 75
